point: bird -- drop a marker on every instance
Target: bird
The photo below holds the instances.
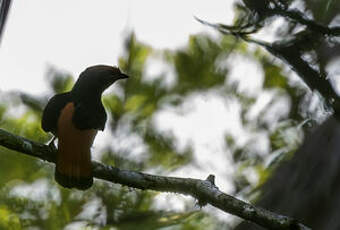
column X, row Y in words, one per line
column 74, row 118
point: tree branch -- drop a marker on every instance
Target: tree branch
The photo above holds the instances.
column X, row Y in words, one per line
column 204, row 191
column 297, row 16
column 290, row 51
column 4, row 8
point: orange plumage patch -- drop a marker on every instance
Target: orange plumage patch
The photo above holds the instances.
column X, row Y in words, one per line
column 73, row 166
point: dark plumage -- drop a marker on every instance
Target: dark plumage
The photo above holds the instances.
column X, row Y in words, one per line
column 75, row 117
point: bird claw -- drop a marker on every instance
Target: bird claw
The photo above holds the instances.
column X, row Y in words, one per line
column 52, row 145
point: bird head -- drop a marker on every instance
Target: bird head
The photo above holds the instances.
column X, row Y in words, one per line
column 95, row 79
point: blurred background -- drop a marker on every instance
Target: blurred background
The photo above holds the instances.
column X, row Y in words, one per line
column 197, row 103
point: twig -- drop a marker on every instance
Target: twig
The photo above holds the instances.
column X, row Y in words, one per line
column 289, row 52
column 299, row 17
column 4, row 8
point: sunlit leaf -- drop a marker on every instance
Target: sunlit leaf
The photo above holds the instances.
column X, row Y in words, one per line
column 274, row 78
column 8, row 219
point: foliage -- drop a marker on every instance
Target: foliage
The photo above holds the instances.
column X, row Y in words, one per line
column 136, row 142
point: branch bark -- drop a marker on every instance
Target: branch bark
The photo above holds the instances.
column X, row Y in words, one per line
column 205, row 191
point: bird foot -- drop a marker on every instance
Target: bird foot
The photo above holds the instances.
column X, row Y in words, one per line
column 52, row 145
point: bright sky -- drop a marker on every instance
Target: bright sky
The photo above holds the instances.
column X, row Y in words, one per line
column 73, row 35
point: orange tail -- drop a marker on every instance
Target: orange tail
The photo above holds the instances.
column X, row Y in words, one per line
column 73, row 165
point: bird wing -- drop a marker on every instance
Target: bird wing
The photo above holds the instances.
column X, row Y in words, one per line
column 52, row 111
column 89, row 116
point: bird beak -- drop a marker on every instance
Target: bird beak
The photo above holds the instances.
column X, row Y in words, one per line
column 123, row 76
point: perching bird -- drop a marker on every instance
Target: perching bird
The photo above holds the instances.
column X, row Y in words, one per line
column 74, row 118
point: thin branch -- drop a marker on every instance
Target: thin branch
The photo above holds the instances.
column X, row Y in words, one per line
column 289, row 51
column 4, row 9
column 297, row 16
column 290, row 54
column 204, row 191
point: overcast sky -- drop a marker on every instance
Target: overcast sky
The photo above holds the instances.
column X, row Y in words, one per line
column 72, row 35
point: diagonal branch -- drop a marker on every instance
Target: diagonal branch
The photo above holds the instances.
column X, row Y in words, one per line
column 290, row 51
column 4, row 8
column 204, row 191
column 297, row 16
